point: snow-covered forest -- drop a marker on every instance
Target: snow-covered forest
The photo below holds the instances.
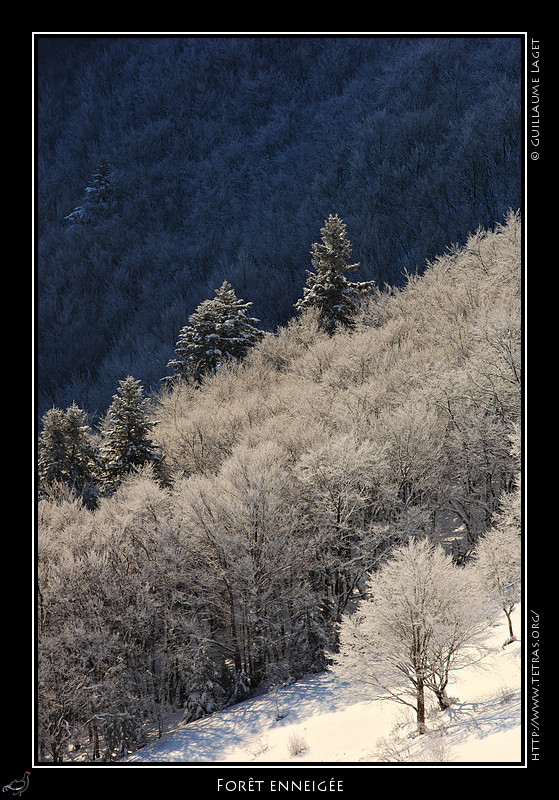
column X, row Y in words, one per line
column 283, row 482
column 279, row 377
column 218, row 158
column 322, row 720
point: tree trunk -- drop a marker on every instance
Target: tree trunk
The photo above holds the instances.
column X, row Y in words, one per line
column 443, row 699
column 96, row 749
column 508, row 612
column 420, row 697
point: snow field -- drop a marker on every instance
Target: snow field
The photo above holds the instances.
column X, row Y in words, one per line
column 316, row 721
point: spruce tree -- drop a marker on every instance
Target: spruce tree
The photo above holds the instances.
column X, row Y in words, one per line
column 97, row 196
column 67, row 453
column 126, row 427
column 218, row 332
column 328, row 289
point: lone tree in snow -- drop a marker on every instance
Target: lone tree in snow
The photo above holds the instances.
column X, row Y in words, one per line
column 218, row 332
column 328, row 289
column 422, row 622
column 126, row 427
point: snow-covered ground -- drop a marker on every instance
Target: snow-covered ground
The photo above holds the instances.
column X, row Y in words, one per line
column 316, row 721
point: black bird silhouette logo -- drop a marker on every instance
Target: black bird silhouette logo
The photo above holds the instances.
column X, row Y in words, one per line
column 17, row 787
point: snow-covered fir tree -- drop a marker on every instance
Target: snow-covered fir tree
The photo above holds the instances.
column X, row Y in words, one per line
column 97, row 196
column 67, row 453
column 218, row 332
column 126, row 430
column 328, row 289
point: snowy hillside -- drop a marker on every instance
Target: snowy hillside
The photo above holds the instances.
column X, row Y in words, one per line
column 225, row 153
column 315, row 721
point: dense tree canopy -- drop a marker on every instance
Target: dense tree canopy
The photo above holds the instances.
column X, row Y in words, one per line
column 292, row 477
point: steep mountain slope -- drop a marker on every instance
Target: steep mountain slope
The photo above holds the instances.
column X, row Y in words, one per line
column 227, row 153
column 289, row 477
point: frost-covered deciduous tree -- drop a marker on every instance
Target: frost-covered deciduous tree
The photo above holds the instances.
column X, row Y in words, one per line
column 412, row 436
column 337, row 485
column 498, row 555
column 218, row 332
column 246, row 527
column 420, row 623
column 327, row 287
column 122, row 627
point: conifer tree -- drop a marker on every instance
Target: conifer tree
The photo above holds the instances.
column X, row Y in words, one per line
column 218, row 332
column 126, row 444
column 67, row 453
column 328, row 289
column 97, row 196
